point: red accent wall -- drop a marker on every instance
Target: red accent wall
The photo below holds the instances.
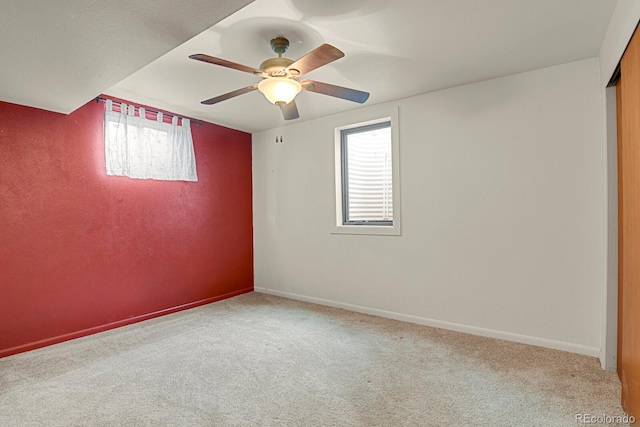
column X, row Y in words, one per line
column 82, row 252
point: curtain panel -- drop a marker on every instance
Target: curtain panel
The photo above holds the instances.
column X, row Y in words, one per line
column 147, row 149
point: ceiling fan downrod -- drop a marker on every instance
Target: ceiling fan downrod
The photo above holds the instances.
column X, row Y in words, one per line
column 279, row 45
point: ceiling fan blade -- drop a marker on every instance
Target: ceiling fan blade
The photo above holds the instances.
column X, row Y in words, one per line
column 290, row 110
column 333, row 90
column 230, row 95
column 322, row 55
column 223, row 62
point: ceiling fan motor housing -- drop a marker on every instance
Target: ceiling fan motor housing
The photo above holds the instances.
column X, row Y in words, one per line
column 275, row 66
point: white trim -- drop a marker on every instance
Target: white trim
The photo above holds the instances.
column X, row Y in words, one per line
column 605, row 228
column 609, row 333
column 376, row 230
column 391, row 115
column 473, row 330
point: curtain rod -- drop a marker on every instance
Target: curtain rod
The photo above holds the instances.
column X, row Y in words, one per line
column 99, row 98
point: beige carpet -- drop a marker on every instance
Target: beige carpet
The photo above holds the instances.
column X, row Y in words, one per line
column 260, row 360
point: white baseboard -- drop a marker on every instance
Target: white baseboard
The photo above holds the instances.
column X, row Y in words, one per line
column 473, row 330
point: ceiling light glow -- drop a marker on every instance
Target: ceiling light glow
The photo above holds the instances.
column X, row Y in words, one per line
column 279, row 90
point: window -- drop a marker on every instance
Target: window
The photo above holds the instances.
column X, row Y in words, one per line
column 367, row 190
column 367, row 196
column 147, row 149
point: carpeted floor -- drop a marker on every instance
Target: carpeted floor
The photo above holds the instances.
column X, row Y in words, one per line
column 260, row 360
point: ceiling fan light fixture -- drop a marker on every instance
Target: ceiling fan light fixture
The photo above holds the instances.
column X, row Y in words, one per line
column 279, row 90
column 280, row 77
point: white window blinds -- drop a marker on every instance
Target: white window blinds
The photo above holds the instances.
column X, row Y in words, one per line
column 147, row 149
column 367, row 175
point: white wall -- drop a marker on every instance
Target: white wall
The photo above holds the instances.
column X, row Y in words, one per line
column 503, row 206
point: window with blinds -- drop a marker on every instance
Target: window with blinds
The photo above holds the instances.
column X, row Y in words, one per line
column 367, row 190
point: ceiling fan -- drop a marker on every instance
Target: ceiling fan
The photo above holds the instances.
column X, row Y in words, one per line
column 280, row 77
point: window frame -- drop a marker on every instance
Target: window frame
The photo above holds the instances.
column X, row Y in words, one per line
column 368, row 227
column 344, row 134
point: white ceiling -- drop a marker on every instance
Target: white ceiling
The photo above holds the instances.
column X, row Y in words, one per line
column 394, row 49
column 57, row 55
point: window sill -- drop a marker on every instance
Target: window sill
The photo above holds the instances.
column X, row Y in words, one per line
column 374, row 230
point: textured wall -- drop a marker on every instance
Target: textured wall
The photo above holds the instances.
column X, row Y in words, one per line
column 82, row 252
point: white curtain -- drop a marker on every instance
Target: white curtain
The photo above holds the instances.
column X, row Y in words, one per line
column 147, row 149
